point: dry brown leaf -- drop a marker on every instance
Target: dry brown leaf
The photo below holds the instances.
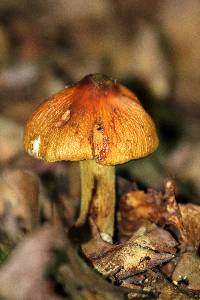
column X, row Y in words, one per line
column 96, row 247
column 82, row 283
column 168, row 268
column 156, row 239
column 19, row 208
column 11, row 136
column 139, row 208
column 187, row 273
column 23, row 275
column 169, row 292
column 151, row 281
column 148, row 247
column 156, row 286
column 191, row 220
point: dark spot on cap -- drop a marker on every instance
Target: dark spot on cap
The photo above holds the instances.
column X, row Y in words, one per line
column 100, row 81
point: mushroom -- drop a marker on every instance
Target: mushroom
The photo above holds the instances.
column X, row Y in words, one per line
column 99, row 123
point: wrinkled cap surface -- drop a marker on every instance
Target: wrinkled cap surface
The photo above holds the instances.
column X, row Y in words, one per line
column 94, row 119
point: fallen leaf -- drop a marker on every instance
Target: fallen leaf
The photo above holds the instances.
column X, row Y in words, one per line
column 169, row 292
column 187, row 273
column 168, row 268
column 148, row 247
column 191, row 220
column 161, row 208
column 150, row 281
column 134, row 212
column 23, row 275
column 81, row 282
column 19, row 207
column 11, row 136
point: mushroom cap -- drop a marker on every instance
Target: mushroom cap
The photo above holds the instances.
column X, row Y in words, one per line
column 94, row 119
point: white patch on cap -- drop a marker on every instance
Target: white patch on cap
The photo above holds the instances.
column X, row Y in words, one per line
column 66, row 116
column 63, row 120
column 106, row 237
column 35, row 147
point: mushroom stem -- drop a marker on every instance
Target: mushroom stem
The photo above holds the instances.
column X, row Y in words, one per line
column 98, row 197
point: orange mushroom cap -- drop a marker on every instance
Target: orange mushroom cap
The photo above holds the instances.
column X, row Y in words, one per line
column 94, row 119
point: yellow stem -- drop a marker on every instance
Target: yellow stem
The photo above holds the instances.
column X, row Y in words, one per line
column 98, row 196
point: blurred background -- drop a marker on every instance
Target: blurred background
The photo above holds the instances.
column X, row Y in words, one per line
column 151, row 46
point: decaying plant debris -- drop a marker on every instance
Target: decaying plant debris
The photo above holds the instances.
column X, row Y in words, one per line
column 138, row 207
column 154, row 256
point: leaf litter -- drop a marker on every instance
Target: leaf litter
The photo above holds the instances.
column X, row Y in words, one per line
column 155, row 255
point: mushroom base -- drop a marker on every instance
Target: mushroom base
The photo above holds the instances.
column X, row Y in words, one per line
column 98, row 197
